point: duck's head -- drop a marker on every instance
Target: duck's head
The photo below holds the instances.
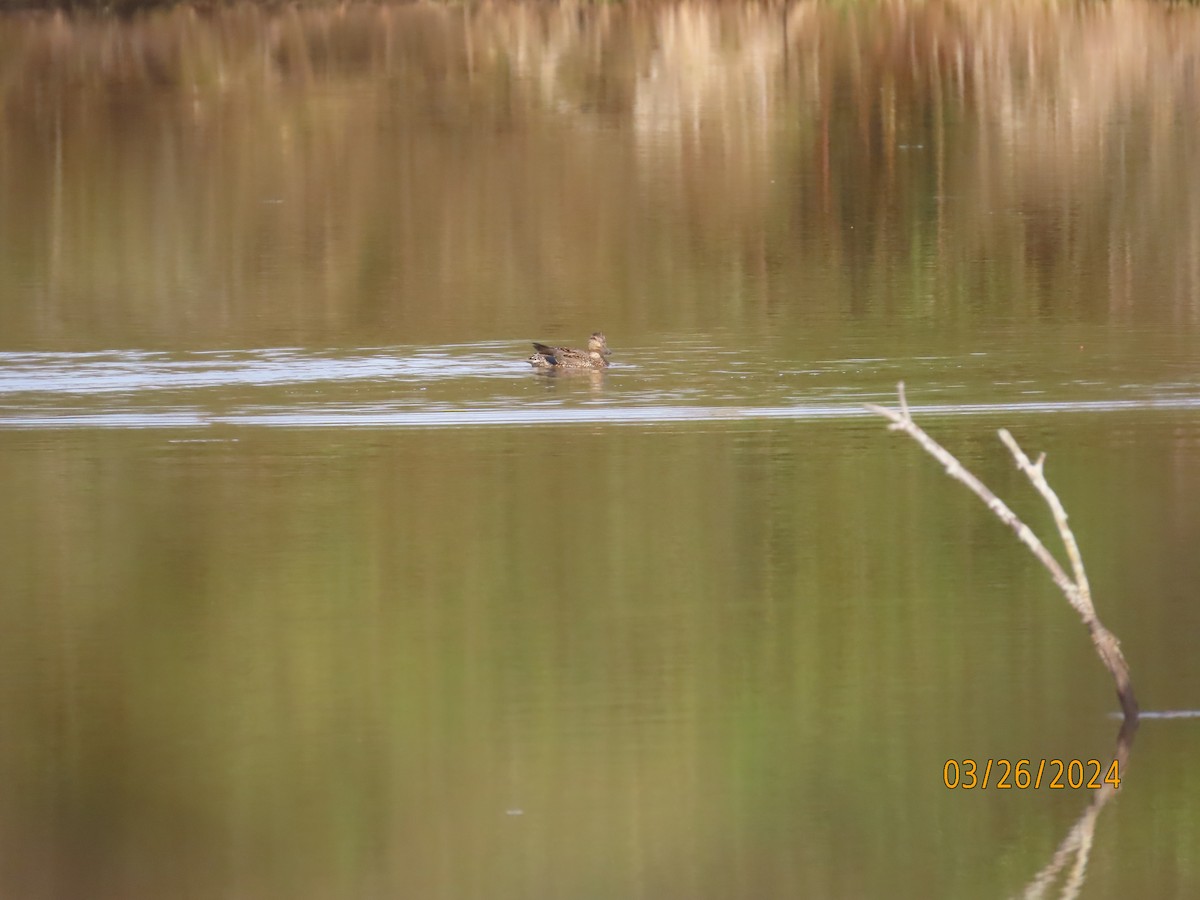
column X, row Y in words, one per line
column 597, row 344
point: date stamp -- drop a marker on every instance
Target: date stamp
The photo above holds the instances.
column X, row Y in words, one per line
column 1025, row 774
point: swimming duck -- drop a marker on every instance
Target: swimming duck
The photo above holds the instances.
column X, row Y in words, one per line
column 594, row 357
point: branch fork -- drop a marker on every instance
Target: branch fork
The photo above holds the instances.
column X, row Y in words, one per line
column 1075, row 588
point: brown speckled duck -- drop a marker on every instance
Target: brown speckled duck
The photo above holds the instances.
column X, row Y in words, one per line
column 553, row 358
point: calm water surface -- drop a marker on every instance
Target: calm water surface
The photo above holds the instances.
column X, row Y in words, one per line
column 311, row 587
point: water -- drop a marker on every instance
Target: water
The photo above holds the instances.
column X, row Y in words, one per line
column 310, row 586
column 690, row 380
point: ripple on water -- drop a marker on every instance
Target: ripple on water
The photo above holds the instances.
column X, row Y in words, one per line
column 473, row 385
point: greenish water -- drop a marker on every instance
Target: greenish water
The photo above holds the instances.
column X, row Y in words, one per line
column 311, row 587
column 541, row 661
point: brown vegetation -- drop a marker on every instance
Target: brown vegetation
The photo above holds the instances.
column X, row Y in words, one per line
column 929, row 159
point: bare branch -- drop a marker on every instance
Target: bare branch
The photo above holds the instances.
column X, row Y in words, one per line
column 1076, row 590
column 1036, row 475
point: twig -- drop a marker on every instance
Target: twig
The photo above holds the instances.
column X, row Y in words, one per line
column 1034, row 472
column 1076, row 590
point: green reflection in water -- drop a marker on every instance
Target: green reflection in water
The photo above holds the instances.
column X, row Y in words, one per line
column 535, row 662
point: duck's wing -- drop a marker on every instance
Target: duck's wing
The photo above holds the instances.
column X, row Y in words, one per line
column 550, row 356
column 558, row 356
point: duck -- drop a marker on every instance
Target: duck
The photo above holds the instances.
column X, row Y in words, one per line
column 556, row 358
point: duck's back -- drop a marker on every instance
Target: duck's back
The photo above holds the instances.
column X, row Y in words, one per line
column 565, row 357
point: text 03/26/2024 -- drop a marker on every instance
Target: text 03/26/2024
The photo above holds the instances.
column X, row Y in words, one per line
column 1024, row 774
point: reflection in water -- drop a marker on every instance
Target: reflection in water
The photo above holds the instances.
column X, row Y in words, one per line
column 331, row 663
column 335, row 656
column 1076, row 847
column 432, row 174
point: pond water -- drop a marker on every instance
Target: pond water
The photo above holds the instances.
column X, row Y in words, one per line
column 311, row 587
